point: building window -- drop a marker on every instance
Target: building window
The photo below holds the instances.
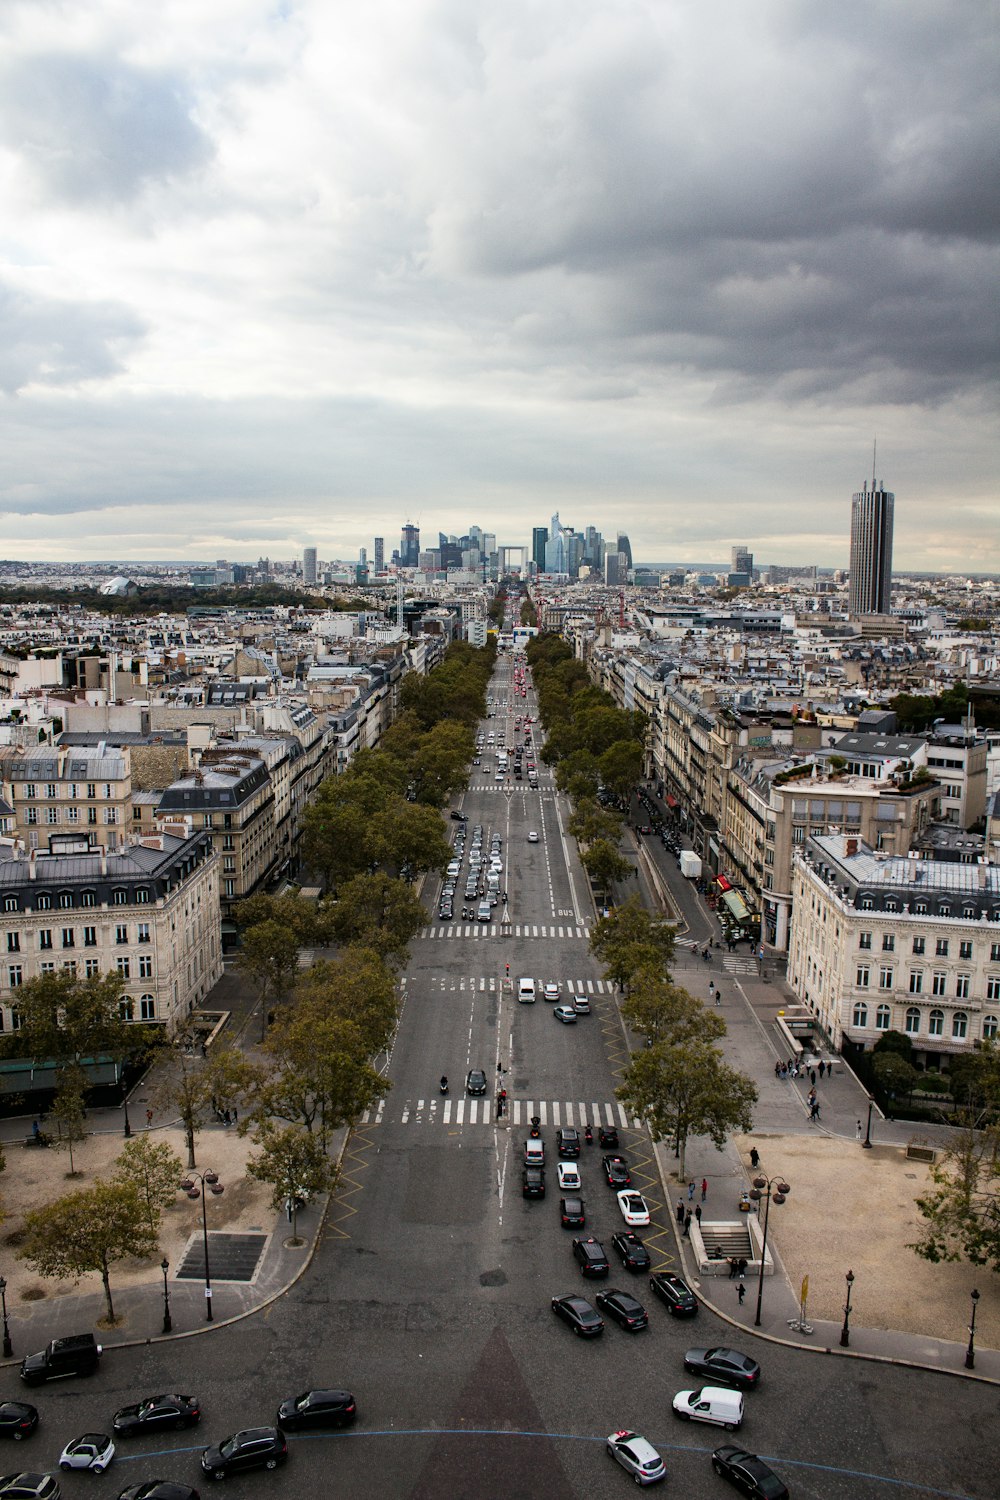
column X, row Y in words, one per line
column 15, row 976
column 883, row 1016
column 994, row 947
column 142, row 895
column 919, row 945
column 912, row 1022
column 959, row 1025
column 111, row 815
column 861, row 1014
column 888, row 942
column 965, row 949
column 885, row 977
column 10, row 904
column 31, row 816
column 147, row 1008
column 142, row 933
column 88, row 898
column 92, row 817
column 91, row 968
column 91, row 789
column 990, row 1028
column 867, row 904
column 962, row 983
column 69, row 967
column 864, row 939
column 993, row 987
column 121, row 933
column 916, row 981
column 126, row 1008
column 935, row 1023
column 68, row 937
column 13, row 942
column 920, row 908
column 51, row 816
column 90, row 937
column 229, row 887
column 145, row 966
column 72, row 815
column 941, row 948
column 46, row 968
column 122, row 966
column 45, row 937
column 861, row 978
column 939, row 982
column 29, row 789
column 119, row 897
column 969, row 912
column 44, row 901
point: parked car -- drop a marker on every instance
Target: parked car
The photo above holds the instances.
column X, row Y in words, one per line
column 675, row 1294
column 634, row 1255
column 634, row 1209
column 627, row 1311
column 724, row 1364
column 568, row 1173
column 715, row 1404
column 616, row 1171
column 77, row 1354
column 33, row 1486
column 18, row 1420
column 571, row 1213
column 581, row 1317
column 565, row 1013
column 589, row 1255
column 253, row 1448
column 156, row 1414
column 636, row 1456
column 326, row 1408
column 93, row 1451
column 568, row 1142
column 748, row 1473
column 532, row 1182
column 159, row 1489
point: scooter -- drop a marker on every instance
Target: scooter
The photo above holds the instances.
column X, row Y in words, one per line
column 588, row 1136
column 444, row 1084
column 536, row 1123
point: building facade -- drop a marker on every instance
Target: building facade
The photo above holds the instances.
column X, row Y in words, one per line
column 871, row 551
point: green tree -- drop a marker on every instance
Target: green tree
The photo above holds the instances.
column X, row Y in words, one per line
column 631, row 939
column 662, row 1011
column 895, row 1041
column 687, row 1089
column 894, row 1075
column 69, row 1020
column 191, row 1087
column 590, row 822
column 269, row 957
column 89, row 1230
column 441, row 762
column 69, row 1112
column 377, row 912
column 409, row 836
column 621, row 766
column 961, row 1210
column 293, row 911
column 153, row 1169
column 605, row 866
column 294, row 1164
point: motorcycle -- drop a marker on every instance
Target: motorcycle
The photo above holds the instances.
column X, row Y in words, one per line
column 588, row 1136
column 535, row 1130
column 444, row 1084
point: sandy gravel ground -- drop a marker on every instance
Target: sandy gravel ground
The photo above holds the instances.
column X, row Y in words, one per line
column 856, row 1210
column 34, row 1177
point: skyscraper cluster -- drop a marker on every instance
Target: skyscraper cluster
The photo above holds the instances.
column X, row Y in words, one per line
column 561, row 550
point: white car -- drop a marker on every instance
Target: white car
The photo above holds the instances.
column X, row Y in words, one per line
column 532, row 837
column 568, row 1174
column 634, row 1209
column 551, row 992
column 636, row 1455
column 94, row 1451
column 581, row 1005
column 564, row 1013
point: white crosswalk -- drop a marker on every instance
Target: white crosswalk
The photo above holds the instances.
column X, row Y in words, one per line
column 734, row 965
column 494, row 982
column 501, row 929
column 464, row 1111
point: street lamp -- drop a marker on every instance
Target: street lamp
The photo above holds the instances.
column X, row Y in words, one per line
column 128, row 1123
column 762, row 1189
column 189, row 1186
column 866, row 1144
column 8, row 1347
column 970, row 1353
column 845, row 1332
column 167, row 1324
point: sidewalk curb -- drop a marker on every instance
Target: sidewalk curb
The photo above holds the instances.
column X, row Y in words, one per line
column 789, row 1343
column 240, row 1317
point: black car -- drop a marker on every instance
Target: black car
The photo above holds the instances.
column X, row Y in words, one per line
column 607, row 1136
column 18, row 1420
column 475, row 1083
column 460, row 817
column 635, row 1256
column 727, row 1366
column 591, row 1257
column 76, row 1354
column 581, row 1317
column 568, row 1143
column 674, row 1294
column 159, row 1489
column 254, row 1448
column 157, row 1414
column 616, row 1171
column 317, row 1409
column 533, row 1182
column 571, row 1213
column 626, row 1310
column 748, row 1473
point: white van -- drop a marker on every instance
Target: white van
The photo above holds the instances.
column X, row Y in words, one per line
column 713, row 1403
column 526, row 991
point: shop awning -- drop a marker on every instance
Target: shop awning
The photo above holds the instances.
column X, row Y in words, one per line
column 672, row 801
column 737, row 906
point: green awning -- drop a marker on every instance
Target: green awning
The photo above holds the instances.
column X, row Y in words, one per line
column 736, row 905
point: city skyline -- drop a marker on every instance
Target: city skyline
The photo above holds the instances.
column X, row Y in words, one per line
column 267, row 282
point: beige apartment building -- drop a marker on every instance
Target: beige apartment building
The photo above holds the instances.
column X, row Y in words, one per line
column 73, row 793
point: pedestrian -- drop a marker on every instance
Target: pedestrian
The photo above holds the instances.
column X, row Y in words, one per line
column 741, row 1291
column 691, row 1190
column 777, row 1070
column 226, row 1120
column 36, row 1131
column 741, row 1266
column 704, row 1189
column 811, row 1097
column 687, row 1225
column 814, row 1111
column 732, row 1267
column 697, row 1212
column 754, row 1157
column 812, row 1076
column 822, row 1067
column 149, row 1118
column 857, row 1131
column 711, row 988
column 680, row 1210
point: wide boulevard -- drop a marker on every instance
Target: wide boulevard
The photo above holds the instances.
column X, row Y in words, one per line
column 429, row 1295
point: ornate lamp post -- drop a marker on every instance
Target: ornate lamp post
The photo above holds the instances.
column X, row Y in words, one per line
column 866, row 1144
column 845, row 1332
column 970, row 1353
column 8, row 1347
column 762, row 1189
column 167, row 1324
column 128, row 1123
column 189, row 1186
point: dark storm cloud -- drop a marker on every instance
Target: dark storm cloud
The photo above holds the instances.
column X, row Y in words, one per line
column 97, row 128
column 46, row 341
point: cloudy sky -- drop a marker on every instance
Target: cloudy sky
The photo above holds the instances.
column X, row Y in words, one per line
column 288, row 272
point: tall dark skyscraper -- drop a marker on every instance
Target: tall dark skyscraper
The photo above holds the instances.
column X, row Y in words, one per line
column 409, row 547
column 871, row 551
column 379, row 554
column 539, row 536
column 624, row 545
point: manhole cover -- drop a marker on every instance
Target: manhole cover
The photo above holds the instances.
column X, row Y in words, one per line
column 231, row 1257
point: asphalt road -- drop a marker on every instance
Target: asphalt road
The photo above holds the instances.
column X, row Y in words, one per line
column 429, row 1295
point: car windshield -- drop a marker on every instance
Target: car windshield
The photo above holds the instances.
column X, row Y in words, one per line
column 229, row 1447
column 304, row 1401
